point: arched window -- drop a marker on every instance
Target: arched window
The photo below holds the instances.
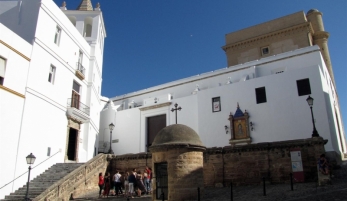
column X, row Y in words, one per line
column 88, row 27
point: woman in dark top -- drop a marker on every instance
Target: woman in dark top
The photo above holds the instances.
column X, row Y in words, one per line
column 140, row 185
column 107, row 184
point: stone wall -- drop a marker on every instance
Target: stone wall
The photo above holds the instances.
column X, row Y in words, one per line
column 128, row 162
column 242, row 165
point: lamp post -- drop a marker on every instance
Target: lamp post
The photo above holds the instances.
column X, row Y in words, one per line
column 30, row 160
column 310, row 103
column 111, row 126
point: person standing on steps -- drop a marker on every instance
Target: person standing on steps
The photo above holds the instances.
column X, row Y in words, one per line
column 118, row 183
column 101, row 183
column 147, row 179
column 107, row 181
column 132, row 181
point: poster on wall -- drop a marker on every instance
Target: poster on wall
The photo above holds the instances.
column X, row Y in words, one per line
column 297, row 166
column 216, row 107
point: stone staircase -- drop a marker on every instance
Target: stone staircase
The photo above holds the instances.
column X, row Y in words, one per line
column 44, row 180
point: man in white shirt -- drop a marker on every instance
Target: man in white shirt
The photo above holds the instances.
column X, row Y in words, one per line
column 118, row 183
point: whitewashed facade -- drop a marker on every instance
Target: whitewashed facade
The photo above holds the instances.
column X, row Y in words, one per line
column 51, row 86
column 284, row 116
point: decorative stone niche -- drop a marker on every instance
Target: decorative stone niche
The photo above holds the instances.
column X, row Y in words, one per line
column 240, row 132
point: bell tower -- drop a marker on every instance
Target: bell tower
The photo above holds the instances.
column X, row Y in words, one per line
column 320, row 37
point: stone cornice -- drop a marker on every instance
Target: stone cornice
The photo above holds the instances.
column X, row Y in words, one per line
column 16, row 51
column 143, row 155
column 77, row 115
column 267, row 146
column 320, row 35
column 155, row 106
column 280, row 33
column 12, row 91
column 166, row 147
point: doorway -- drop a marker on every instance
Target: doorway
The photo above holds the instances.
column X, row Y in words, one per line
column 161, row 177
column 72, row 145
column 154, row 125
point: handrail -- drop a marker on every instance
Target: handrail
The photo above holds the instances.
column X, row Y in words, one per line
column 65, row 186
column 28, row 171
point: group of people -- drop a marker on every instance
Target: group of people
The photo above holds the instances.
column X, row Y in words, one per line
column 135, row 183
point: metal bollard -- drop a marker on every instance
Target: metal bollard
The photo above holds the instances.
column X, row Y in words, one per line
column 291, row 181
column 264, row 189
column 198, row 193
column 231, row 191
column 162, row 196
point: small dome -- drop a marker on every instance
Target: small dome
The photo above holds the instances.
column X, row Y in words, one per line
column 313, row 11
column 177, row 134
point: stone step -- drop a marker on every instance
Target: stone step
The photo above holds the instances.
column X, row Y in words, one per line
column 44, row 181
column 20, row 197
column 31, row 189
column 39, row 180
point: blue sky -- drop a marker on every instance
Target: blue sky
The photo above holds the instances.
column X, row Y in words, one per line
column 151, row 42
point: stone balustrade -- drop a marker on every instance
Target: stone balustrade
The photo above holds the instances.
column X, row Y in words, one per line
column 78, row 182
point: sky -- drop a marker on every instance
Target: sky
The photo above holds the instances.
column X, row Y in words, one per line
column 152, row 42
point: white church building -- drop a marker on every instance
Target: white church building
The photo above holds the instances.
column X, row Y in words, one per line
column 272, row 69
column 51, row 62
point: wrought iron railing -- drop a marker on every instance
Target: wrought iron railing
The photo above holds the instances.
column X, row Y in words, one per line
column 80, row 67
column 75, row 103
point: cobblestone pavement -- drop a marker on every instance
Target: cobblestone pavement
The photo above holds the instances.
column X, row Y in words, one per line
column 336, row 191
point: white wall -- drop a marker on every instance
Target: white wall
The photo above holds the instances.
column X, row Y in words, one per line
column 11, row 105
column 40, row 121
column 285, row 115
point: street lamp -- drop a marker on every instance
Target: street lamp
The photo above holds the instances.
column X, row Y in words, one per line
column 310, row 103
column 30, row 160
column 111, row 126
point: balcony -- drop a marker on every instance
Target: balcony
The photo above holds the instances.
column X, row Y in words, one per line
column 80, row 70
column 77, row 110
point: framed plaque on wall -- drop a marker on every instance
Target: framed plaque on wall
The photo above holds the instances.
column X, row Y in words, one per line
column 216, row 106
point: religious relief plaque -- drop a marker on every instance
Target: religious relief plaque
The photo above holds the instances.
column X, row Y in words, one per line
column 240, row 132
column 240, row 129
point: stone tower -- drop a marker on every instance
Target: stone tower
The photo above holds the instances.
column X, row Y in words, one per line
column 177, row 161
column 320, row 37
column 277, row 36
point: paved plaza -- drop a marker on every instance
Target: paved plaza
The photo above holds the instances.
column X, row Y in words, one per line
column 336, row 191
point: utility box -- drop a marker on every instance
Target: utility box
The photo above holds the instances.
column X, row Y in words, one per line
column 297, row 167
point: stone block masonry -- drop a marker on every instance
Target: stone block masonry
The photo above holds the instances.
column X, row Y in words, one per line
column 241, row 165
